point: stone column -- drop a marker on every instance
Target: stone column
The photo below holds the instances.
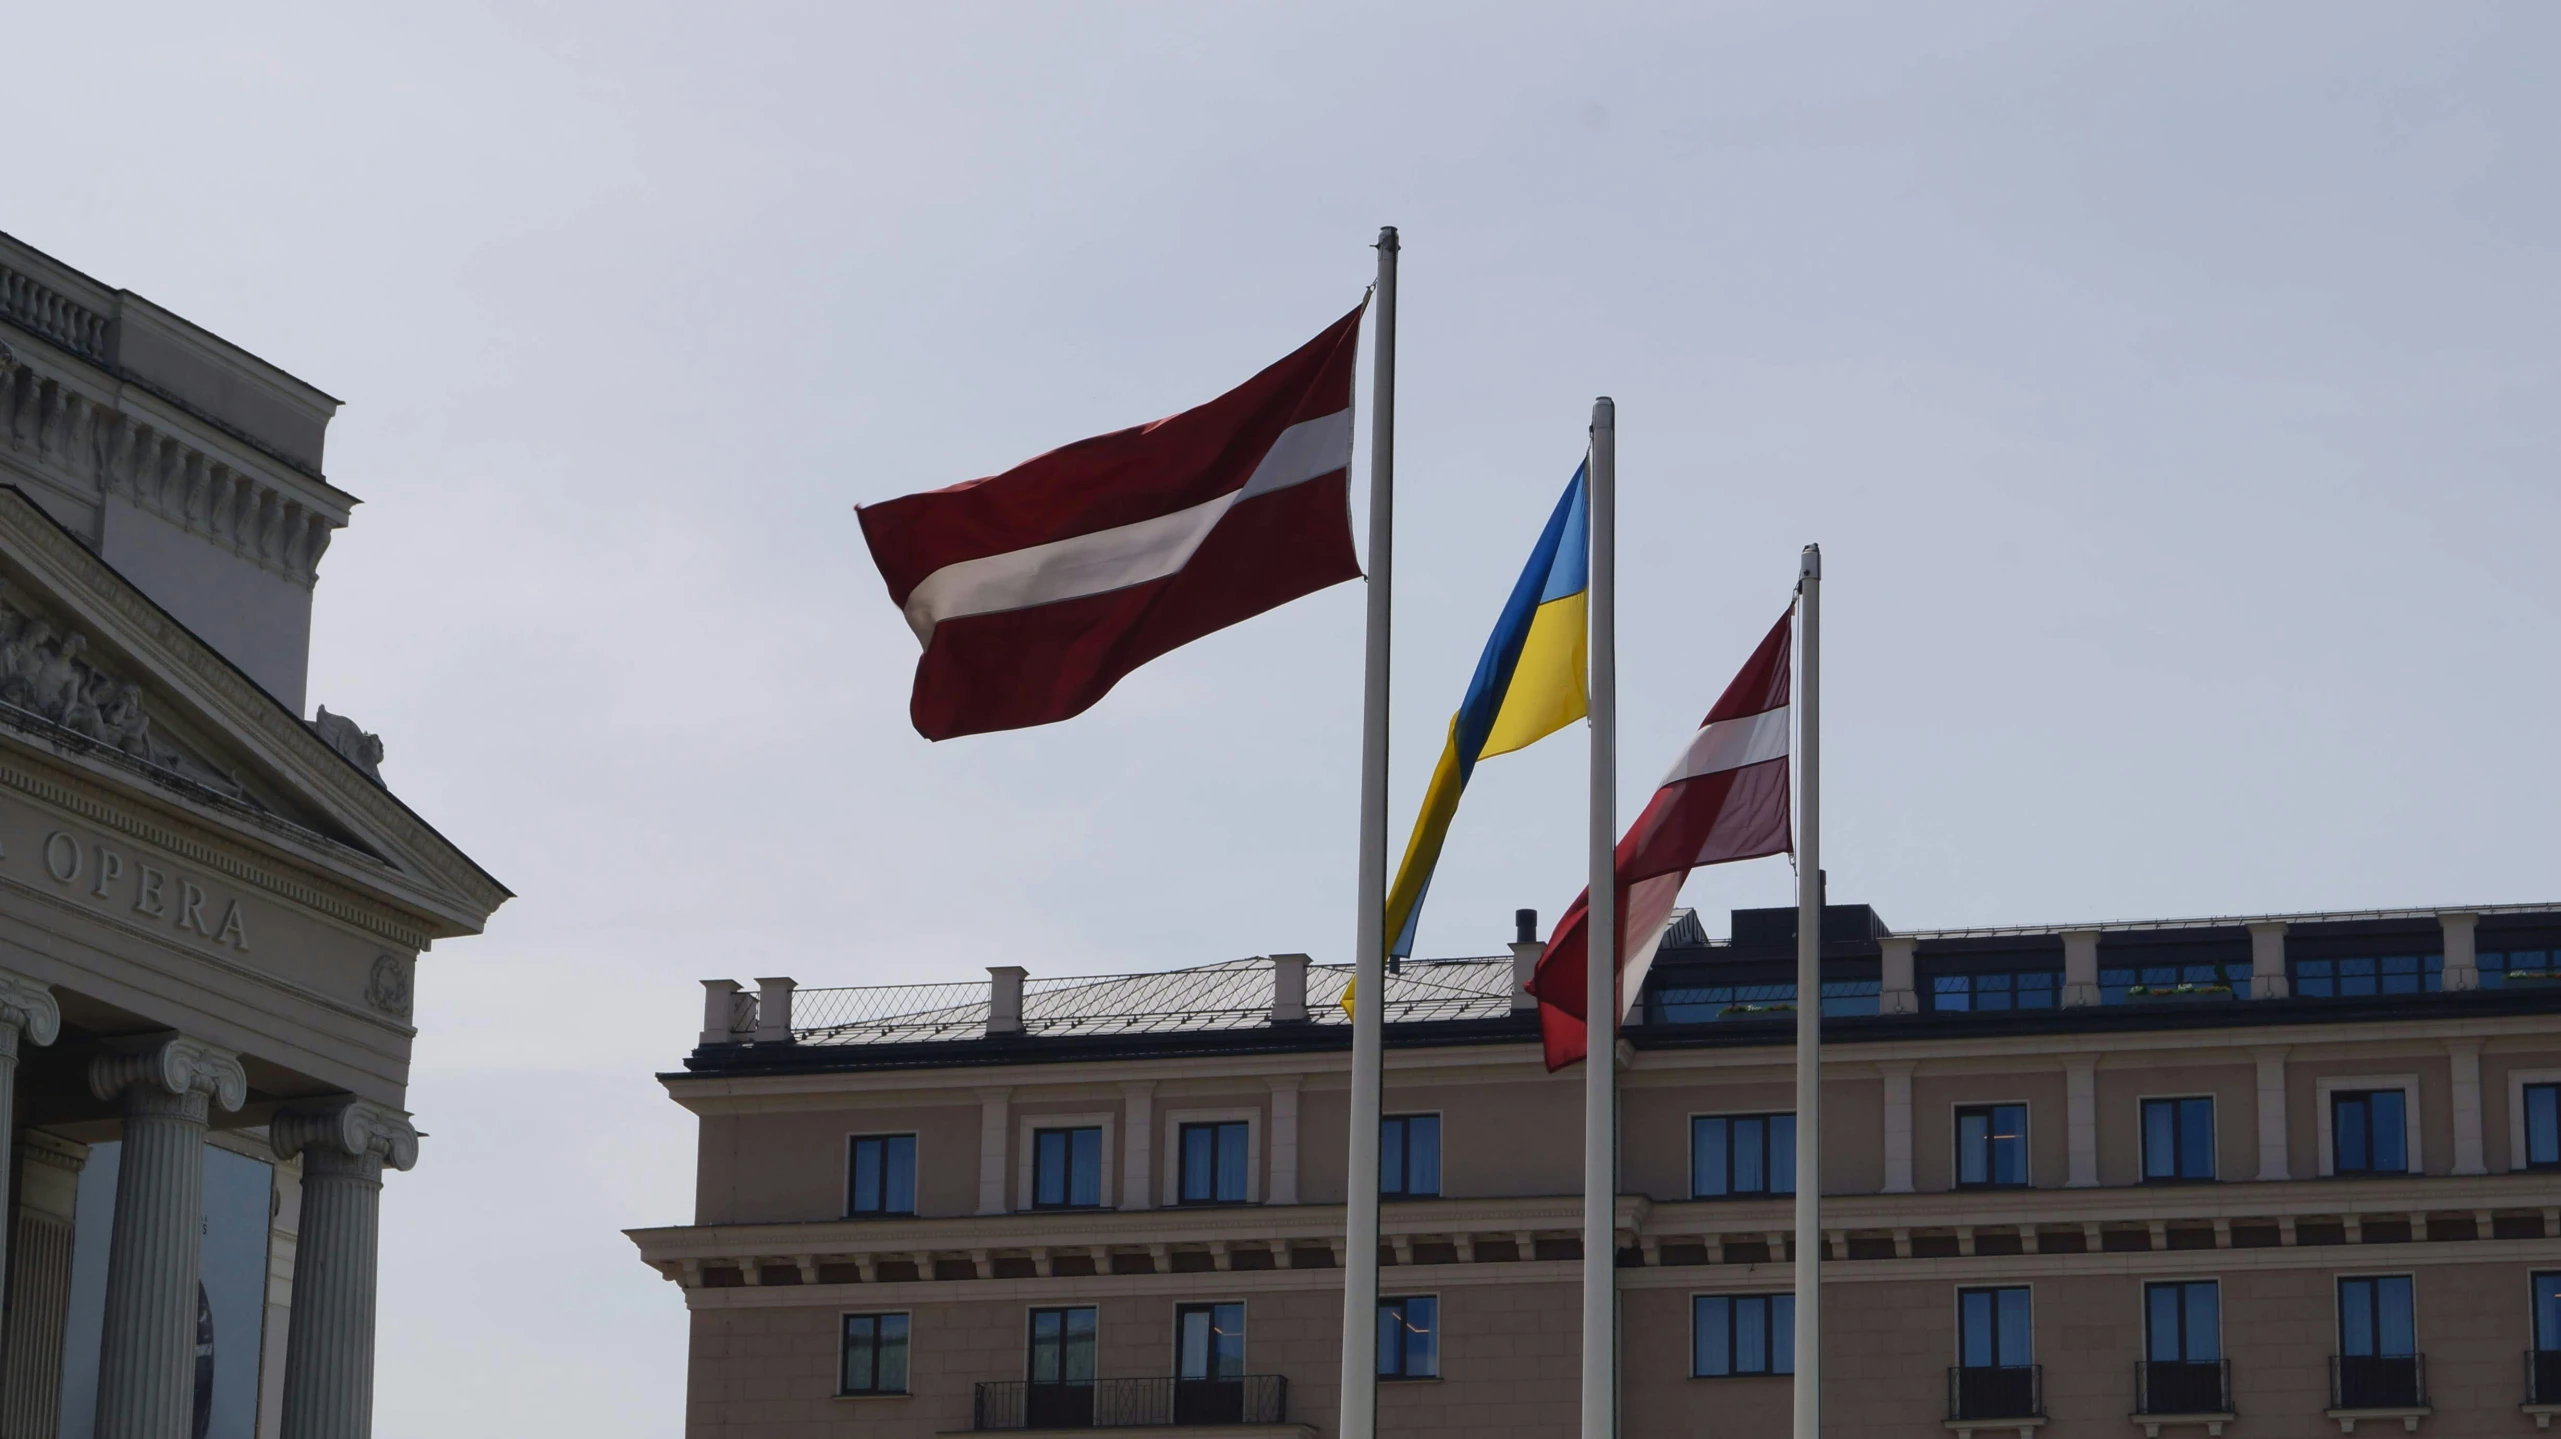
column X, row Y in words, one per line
column 2268, row 979
column 2081, row 1100
column 2080, row 966
column 147, row 1355
column 1899, row 995
column 27, row 1008
column 329, row 1344
column 39, row 1286
column 2273, row 1161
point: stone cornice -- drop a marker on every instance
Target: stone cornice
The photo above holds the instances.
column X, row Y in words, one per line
column 426, row 874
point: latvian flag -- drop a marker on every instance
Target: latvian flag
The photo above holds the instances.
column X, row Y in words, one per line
column 1725, row 799
column 1035, row 590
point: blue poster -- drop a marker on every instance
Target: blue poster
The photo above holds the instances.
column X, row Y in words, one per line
column 231, row 1300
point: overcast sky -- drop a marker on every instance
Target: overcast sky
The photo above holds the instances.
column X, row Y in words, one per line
column 2170, row 387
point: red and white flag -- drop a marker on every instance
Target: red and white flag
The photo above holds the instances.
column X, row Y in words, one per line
column 1035, row 590
column 1726, row 798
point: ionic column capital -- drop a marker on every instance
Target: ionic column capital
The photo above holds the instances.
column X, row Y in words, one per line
column 171, row 1066
column 345, row 1128
column 28, row 1008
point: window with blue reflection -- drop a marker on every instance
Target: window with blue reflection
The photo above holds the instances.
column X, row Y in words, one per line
column 1741, row 1334
column 2368, row 1132
column 1409, row 1337
column 2542, row 1126
column 1742, row 1154
column 881, row 1175
column 1995, row 991
column 1067, row 1168
column 1215, row 1158
column 2121, row 984
column 2547, row 1312
column 1409, row 1156
column 1993, row 1329
column 2178, row 1140
column 2183, row 1322
column 2520, row 966
column 2375, row 1319
column 2367, row 975
column 1991, row 1146
column 1707, row 1003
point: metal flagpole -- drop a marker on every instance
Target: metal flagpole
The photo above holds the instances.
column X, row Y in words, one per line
column 1369, row 952
column 1809, row 1001
column 1600, row 961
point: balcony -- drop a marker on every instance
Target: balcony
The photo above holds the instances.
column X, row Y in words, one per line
column 1255, row 1399
column 1995, row 1396
column 2167, row 1392
column 2373, row 1386
column 2542, row 1385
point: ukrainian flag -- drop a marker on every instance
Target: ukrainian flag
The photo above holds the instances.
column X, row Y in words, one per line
column 1528, row 685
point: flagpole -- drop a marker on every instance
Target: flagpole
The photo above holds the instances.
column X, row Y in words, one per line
column 1600, row 965
column 1809, row 1004
column 1359, row 1390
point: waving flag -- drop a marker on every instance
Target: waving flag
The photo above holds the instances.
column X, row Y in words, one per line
column 1528, row 685
column 1034, row 591
column 1725, row 799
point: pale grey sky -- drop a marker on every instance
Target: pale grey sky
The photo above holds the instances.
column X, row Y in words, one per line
column 2170, row 385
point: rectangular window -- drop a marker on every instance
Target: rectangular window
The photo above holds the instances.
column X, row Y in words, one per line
column 2178, row 1140
column 875, row 1359
column 2144, row 983
column 1214, row 1158
column 1996, row 991
column 1738, row 1154
column 2519, row 966
column 2375, row 1318
column 2547, row 1313
column 1991, row 1147
column 2542, row 1126
column 1993, row 1331
column 881, row 1175
column 1707, row 1003
column 1209, row 1341
column 1062, row 1346
column 1733, row 1334
column 2183, row 1322
column 2368, row 1132
column 1409, row 1338
column 2364, row 976
column 1409, row 1156
column 1067, row 1168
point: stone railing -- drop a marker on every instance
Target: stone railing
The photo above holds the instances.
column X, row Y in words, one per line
column 37, row 308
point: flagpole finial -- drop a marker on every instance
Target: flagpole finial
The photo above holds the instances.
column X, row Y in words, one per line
column 1386, row 238
column 1809, row 564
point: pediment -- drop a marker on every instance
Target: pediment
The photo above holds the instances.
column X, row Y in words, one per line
column 100, row 679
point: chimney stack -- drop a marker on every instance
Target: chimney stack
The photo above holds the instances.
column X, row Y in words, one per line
column 1289, row 989
column 1005, row 998
column 773, row 1011
column 1525, row 952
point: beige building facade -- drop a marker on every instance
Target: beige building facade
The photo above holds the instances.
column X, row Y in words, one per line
column 2282, row 1175
column 212, row 909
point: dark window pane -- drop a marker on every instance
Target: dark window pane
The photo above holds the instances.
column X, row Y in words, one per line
column 1752, row 1335
column 2395, row 1332
column 2543, row 1124
column 1708, row 1174
column 2389, row 1138
column 2009, row 1144
column 2204, row 1322
column 2547, row 1312
column 2196, row 1139
column 2015, row 1347
column 1197, row 1139
column 2356, row 1317
column 1088, row 1165
column 1391, row 1339
column 1049, row 1167
column 1782, row 1334
column 1974, row 1325
column 1233, row 1161
column 1423, row 1154
column 2161, row 1323
column 2160, row 1139
column 898, row 1183
column 1391, row 1156
column 2351, row 1119
column 1711, row 1338
column 1782, row 1154
column 1751, row 1151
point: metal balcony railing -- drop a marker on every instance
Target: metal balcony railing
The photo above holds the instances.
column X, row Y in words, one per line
column 2372, row 1381
column 2183, row 1387
column 2543, row 1376
column 1131, row 1403
column 1996, row 1391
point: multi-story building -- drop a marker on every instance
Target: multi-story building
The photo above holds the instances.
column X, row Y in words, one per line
column 211, row 906
column 2281, row 1175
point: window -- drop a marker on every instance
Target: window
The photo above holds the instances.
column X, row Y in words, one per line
column 1991, row 1147
column 2368, row 1133
column 2542, row 1125
column 1409, row 1156
column 1705, row 1003
column 1209, row 1341
column 1993, row 1331
column 1736, row 1154
column 1409, row 1338
column 2178, row 1140
column 880, row 1177
column 1214, row 1159
column 875, row 1354
column 2521, row 966
column 1067, row 1168
column 2354, row 978
column 1742, row 1334
column 2375, row 1319
column 2547, row 1313
column 2183, row 1322
column 2137, row 983
column 1995, row 990
column 1062, row 1346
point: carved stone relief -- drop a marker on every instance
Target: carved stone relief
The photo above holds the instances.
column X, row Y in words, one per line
column 388, row 990
column 45, row 673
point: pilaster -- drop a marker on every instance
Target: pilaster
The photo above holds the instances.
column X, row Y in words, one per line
column 993, row 1102
column 2081, row 1091
column 1898, row 1126
column 2462, row 962
column 2268, row 979
column 2464, row 1056
column 39, row 1310
column 1284, row 1185
column 2273, row 1162
column 1137, row 1138
column 1898, row 993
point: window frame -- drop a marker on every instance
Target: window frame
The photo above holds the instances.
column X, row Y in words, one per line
column 1218, row 1130
column 1995, row 1289
column 844, row 1319
column 1031, row 1340
column 1768, row 1153
column 853, row 1143
column 2144, row 1315
column 1956, row 1144
column 1170, row 1184
column 2534, row 1310
column 2143, row 1138
column 2329, row 1086
column 1440, row 1131
column 2339, row 1313
column 2519, row 1141
column 1770, row 1316
column 1243, row 1330
column 1439, row 1332
column 1030, row 1131
column 1926, row 981
column 2431, row 973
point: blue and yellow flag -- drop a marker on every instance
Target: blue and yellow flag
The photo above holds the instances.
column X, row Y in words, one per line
column 1528, row 685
